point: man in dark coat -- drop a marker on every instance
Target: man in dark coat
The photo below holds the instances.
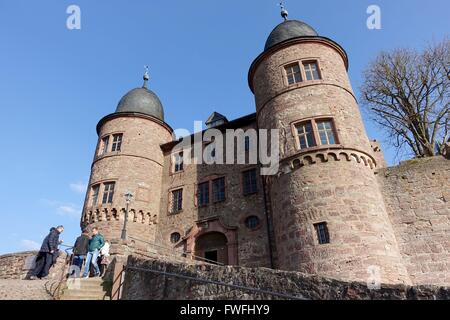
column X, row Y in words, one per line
column 80, row 251
column 45, row 257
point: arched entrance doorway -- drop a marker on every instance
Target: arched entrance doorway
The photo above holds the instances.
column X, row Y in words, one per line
column 212, row 246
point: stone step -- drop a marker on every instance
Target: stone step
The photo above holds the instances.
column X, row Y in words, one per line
column 77, row 298
column 87, row 291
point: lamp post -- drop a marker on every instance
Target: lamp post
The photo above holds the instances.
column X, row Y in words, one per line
column 128, row 196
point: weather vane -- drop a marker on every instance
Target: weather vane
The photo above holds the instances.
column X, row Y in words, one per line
column 284, row 12
column 146, row 76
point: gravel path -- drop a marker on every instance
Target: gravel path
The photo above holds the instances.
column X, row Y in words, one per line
column 23, row 290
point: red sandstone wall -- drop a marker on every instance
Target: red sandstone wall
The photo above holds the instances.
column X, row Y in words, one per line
column 417, row 196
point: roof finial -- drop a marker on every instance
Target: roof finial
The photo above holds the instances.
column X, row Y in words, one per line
column 146, row 77
column 284, row 12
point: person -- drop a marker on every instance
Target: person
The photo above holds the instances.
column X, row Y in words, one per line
column 80, row 251
column 104, row 258
column 48, row 250
column 95, row 244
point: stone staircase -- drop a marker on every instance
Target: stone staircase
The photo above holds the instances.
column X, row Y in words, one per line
column 86, row 289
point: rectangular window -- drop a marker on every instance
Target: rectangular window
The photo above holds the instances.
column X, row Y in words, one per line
column 293, row 73
column 250, row 182
column 179, row 165
column 203, row 194
column 326, row 132
column 323, row 235
column 117, row 142
column 177, row 201
column 306, row 135
column 108, row 193
column 105, row 145
column 95, row 193
column 311, row 70
column 218, row 190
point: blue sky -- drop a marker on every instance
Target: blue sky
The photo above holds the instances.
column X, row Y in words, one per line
column 55, row 83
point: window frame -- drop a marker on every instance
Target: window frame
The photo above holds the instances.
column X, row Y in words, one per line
column 213, row 200
column 301, row 63
column 95, row 194
column 309, row 62
column 208, row 193
column 172, row 202
column 109, row 194
column 116, row 146
column 316, row 132
column 243, row 176
column 175, row 156
column 322, row 239
column 104, row 146
column 286, row 74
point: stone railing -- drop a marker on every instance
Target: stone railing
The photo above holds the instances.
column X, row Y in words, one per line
column 19, row 265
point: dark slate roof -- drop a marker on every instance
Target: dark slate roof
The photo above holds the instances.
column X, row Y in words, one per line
column 287, row 30
column 215, row 116
column 142, row 100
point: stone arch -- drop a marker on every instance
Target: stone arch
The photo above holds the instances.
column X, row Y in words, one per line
column 212, row 246
column 333, row 156
column 115, row 215
column 296, row 164
column 344, row 156
column 308, row 160
column 355, row 157
column 321, row 157
column 210, row 226
column 364, row 160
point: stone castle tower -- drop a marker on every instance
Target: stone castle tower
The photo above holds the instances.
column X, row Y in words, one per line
column 324, row 213
column 128, row 159
column 328, row 186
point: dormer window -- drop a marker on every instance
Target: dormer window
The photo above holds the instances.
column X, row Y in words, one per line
column 293, row 73
column 178, row 162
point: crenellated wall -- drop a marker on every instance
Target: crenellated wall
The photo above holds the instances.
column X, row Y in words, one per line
column 417, row 197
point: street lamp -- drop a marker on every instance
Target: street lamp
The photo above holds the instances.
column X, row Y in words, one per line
column 128, row 196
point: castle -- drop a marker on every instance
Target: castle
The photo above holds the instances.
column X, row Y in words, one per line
column 333, row 208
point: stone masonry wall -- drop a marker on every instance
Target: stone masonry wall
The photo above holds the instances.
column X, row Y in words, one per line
column 417, row 197
column 19, row 265
column 141, row 285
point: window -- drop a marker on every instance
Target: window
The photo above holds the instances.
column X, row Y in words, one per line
column 218, row 190
column 179, row 165
column 105, row 145
column 203, row 194
column 108, row 193
column 175, row 237
column 322, row 233
column 311, row 70
column 250, row 182
column 95, row 192
column 247, row 143
column 117, row 142
column 316, row 132
column 306, row 135
column 177, row 200
column 252, row 222
column 326, row 131
column 293, row 73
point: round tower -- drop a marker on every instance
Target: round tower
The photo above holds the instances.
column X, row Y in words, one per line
column 328, row 214
column 128, row 159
